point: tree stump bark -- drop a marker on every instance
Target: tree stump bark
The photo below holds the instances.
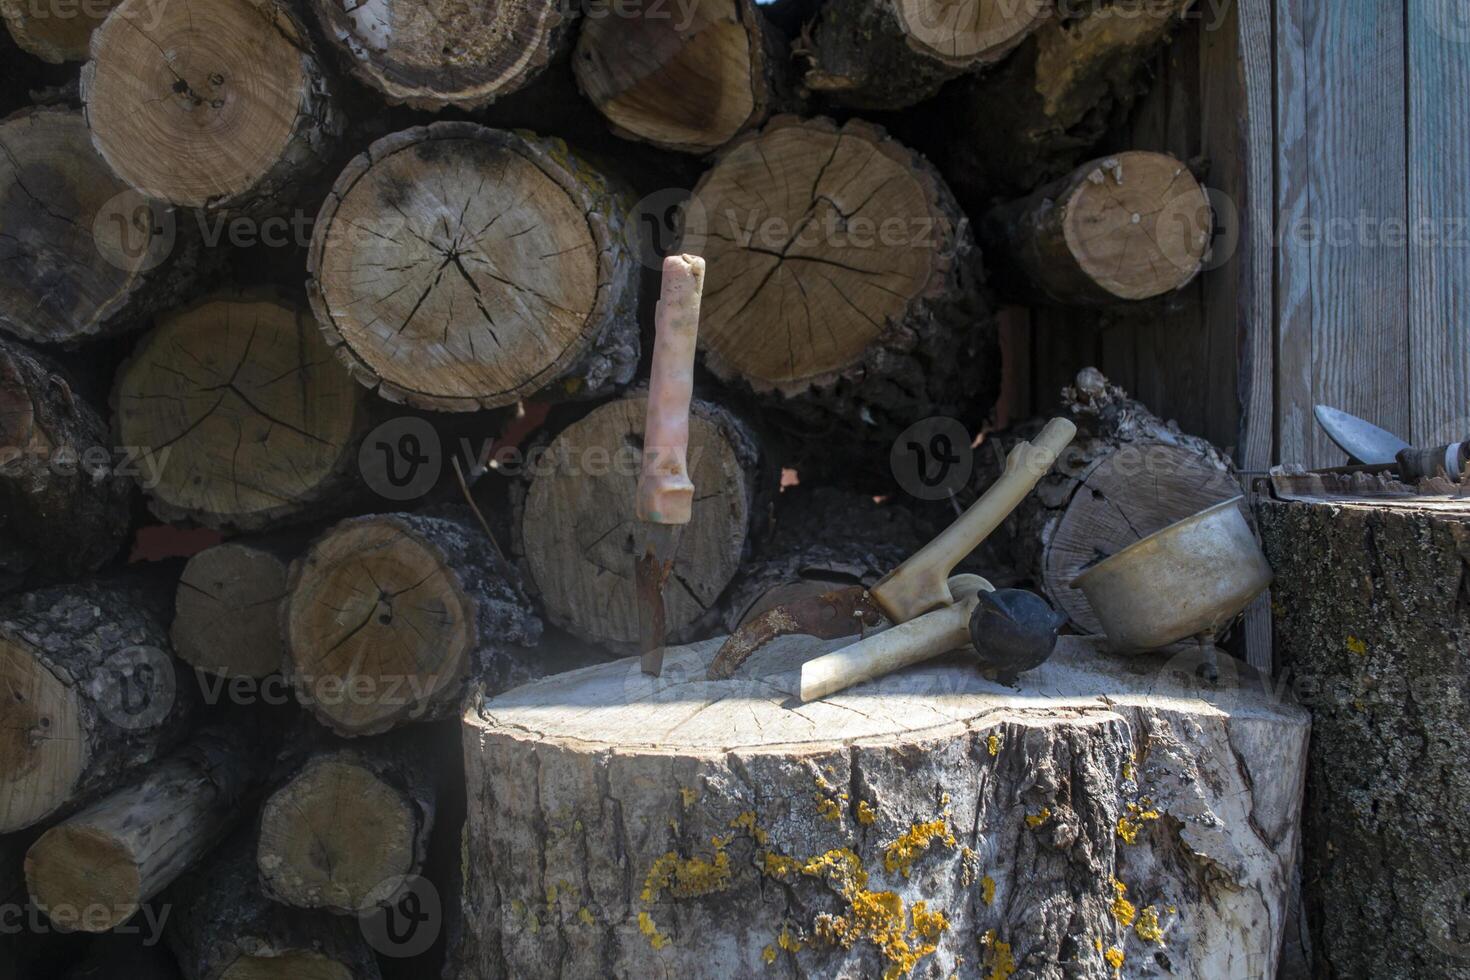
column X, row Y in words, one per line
column 309, row 858
column 690, row 81
column 223, row 928
column 54, row 30
column 219, row 104
column 1126, row 475
column 843, row 283
column 1373, row 634
column 65, row 510
column 438, row 54
column 227, row 618
column 94, row 870
column 390, row 616
column 83, row 255
column 875, row 54
column 823, row 539
column 1120, row 229
column 456, row 267
column 930, row 822
column 573, row 521
column 91, row 694
column 244, row 410
column 1051, row 103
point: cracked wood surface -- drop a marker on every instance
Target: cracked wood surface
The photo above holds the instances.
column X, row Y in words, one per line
column 245, row 411
column 843, row 281
column 436, row 54
column 455, row 267
column 215, row 104
column 679, row 826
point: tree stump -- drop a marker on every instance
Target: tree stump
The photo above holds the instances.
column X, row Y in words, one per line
column 1126, row 475
column 573, row 521
column 456, row 267
column 65, row 509
column 1050, row 104
column 390, row 616
column 227, row 609
column 83, row 255
column 246, row 414
column 876, row 54
column 1109, row 812
column 689, row 81
column 90, row 694
column 223, row 928
column 310, row 858
column 1123, row 228
column 843, row 283
column 437, row 54
column 1373, row 634
column 94, row 870
column 219, row 104
column 55, row 31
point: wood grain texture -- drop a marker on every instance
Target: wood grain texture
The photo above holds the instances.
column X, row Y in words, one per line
column 1439, row 225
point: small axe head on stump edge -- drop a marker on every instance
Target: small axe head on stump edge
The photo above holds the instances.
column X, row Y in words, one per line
column 665, row 500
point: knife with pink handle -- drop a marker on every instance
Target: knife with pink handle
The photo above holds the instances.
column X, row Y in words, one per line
column 665, row 501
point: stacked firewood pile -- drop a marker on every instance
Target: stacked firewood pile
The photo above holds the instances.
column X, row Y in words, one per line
column 322, row 330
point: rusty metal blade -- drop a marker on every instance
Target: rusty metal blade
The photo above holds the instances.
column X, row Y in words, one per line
column 651, row 571
column 842, row 612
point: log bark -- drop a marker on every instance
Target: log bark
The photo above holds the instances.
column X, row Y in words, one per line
column 439, row 54
column 1047, row 107
column 91, row 694
column 391, row 616
column 851, row 298
column 573, row 521
column 823, row 539
column 83, row 255
column 876, row 54
column 248, row 85
column 65, row 507
column 53, row 30
column 309, row 857
column 689, row 81
column 1127, row 474
column 227, row 609
column 223, row 928
column 1373, row 634
column 456, row 267
column 931, row 822
column 1119, row 229
column 205, row 394
column 94, row 870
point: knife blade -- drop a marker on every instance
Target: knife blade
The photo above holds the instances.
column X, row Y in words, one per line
column 665, row 494
column 1362, row 441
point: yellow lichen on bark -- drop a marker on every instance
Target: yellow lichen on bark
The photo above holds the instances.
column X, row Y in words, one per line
column 900, row 855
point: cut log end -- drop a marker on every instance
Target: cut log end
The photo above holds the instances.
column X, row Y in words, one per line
column 295, row 964
column 84, row 878
column 225, row 613
column 690, row 86
column 457, row 267
column 42, row 744
column 575, row 530
column 55, row 31
column 206, row 394
column 376, row 604
column 803, row 283
column 437, row 54
column 170, row 85
column 310, row 858
column 970, row 33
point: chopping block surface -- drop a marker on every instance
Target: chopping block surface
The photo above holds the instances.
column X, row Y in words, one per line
column 1105, row 817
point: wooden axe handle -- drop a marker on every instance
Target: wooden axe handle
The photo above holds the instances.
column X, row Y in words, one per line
column 665, row 491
